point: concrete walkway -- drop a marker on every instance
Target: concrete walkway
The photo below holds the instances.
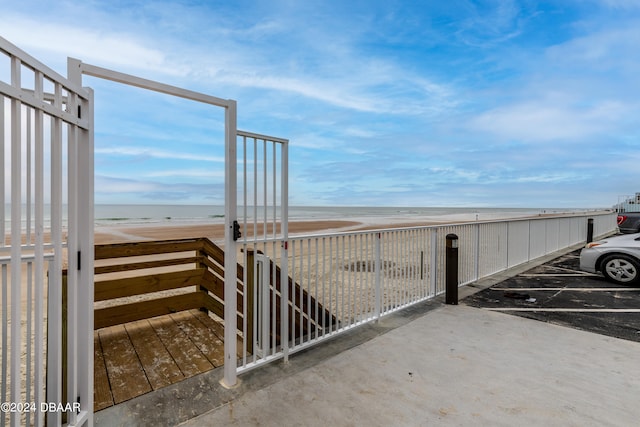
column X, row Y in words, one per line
column 452, row 366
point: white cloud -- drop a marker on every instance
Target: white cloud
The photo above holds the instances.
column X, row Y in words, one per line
column 609, row 49
column 156, row 153
column 185, row 173
column 546, row 121
column 87, row 44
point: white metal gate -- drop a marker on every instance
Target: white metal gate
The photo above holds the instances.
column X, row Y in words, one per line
column 262, row 239
column 46, row 124
column 46, row 153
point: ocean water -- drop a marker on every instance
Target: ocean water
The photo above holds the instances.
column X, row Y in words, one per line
column 106, row 215
column 125, row 215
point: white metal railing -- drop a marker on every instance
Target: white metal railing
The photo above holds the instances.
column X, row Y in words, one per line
column 340, row 281
column 45, row 126
column 29, row 359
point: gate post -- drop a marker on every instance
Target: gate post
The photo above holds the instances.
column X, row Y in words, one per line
column 230, row 257
column 82, row 202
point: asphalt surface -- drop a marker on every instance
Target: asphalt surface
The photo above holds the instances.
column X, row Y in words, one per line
column 558, row 292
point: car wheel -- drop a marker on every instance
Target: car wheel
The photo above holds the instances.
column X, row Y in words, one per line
column 621, row 269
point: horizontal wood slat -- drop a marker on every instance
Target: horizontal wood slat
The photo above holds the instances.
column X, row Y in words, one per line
column 146, row 309
column 130, row 249
column 131, row 266
column 130, row 286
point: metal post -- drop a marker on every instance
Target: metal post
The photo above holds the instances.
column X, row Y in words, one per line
column 378, row 278
column 451, row 296
column 589, row 230
column 15, row 389
column 230, row 266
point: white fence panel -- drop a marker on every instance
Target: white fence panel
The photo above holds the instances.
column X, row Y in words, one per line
column 538, row 238
column 340, row 281
column 552, row 230
column 42, row 116
column 518, row 246
column 494, row 248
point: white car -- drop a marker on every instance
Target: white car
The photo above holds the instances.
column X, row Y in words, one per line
column 617, row 257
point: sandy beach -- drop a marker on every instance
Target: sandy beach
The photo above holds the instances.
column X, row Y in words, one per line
column 215, row 231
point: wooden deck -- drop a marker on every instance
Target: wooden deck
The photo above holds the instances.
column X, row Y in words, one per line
column 139, row 357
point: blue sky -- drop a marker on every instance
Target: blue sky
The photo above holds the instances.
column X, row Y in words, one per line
column 385, row 103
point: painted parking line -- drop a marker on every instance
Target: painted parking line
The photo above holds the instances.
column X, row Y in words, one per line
column 627, row 289
column 567, row 310
column 561, row 275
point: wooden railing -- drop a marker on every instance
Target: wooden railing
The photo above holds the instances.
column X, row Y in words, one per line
column 142, row 269
column 152, row 271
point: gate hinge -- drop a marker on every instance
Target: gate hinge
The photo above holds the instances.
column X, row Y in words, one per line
column 79, row 260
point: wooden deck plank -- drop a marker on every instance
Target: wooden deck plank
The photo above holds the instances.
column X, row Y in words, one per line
column 207, row 342
column 159, row 366
column 126, row 376
column 184, row 352
column 102, row 397
column 217, row 328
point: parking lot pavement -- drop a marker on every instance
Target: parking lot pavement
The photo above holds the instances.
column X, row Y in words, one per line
column 558, row 292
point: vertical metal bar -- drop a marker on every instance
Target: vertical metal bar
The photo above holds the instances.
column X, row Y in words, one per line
column 244, row 188
column 39, row 250
column 253, row 289
column 4, row 294
column 3, row 233
column 5, row 323
column 29, row 337
column 16, row 238
column 319, row 318
column 529, row 240
column 284, row 273
column 324, row 294
column 333, row 307
column 248, row 287
column 359, row 278
column 28, row 142
column 371, row 278
column 349, row 261
column 378, row 276
column 434, row 262
column 72, row 260
column 342, row 287
column 506, row 226
column 309, row 335
column 54, row 300
column 264, row 303
column 275, row 188
column 255, row 188
column 85, row 245
column 271, row 287
column 265, row 196
column 230, row 259
column 301, row 299
column 477, row 252
column 284, row 294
